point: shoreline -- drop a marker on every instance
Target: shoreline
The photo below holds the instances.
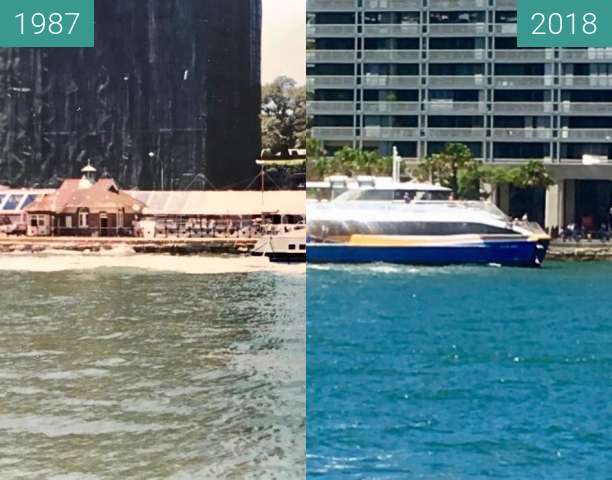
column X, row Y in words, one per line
column 584, row 251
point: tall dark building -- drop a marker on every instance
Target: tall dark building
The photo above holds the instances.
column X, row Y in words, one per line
column 170, row 95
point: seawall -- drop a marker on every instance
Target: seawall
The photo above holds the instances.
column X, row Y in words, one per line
column 175, row 246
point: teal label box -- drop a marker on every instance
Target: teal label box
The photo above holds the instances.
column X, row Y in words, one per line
column 46, row 23
column 564, row 23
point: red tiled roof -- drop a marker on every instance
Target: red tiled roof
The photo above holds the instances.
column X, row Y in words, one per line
column 104, row 195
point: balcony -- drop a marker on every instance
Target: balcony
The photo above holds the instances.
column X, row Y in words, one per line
column 321, row 82
column 333, row 133
column 525, row 55
column 590, row 81
column 392, row 5
column 330, row 108
column 443, row 107
column 330, row 6
column 394, row 56
column 457, row 4
column 390, row 108
column 382, row 81
column 456, row 81
column 542, row 81
column 588, row 135
column 587, row 55
column 331, row 31
column 330, row 56
column 522, row 108
column 385, row 30
column 594, row 108
column 521, row 134
column 455, row 134
column 456, row 29
column 446, row 56
column 389, row 133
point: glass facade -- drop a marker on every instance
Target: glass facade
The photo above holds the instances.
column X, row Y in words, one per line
column 417, row 74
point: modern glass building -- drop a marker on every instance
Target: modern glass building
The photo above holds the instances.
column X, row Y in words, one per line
column 417, row 74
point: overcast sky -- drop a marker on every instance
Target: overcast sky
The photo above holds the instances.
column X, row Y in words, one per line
column 284, row 39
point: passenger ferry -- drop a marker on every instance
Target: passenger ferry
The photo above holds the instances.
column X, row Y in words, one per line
column 425, row 232
column 286, row 247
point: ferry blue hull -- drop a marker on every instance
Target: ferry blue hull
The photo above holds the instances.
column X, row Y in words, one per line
column 518, row 254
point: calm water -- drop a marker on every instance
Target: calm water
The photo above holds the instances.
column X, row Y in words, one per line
column 460, row 373
column 123, row 373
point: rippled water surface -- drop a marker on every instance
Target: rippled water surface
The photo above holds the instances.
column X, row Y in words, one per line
column 460, row 373
column 121, row 373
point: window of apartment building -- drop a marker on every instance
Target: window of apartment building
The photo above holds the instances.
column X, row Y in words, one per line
column 391, row 18
column 333, row 121
column 577, row 150
column 458, row 43
column 456, row 69
column 587, row 69
column 391, row 44
column 331, row 18
column 454, row 95
column 521, row 95
column 454, row 121
column 399, row 69
column 506, row 43
column 586, row 96
column 406, row 149
column 587, row 121
column 391, row 95
column 334, row 44
column 527, row 69
column 519, row 121
column 456, row 17
column 393, row 121
column 333, row 95
column 506, row 16
column 521, row 150
column 335, row 69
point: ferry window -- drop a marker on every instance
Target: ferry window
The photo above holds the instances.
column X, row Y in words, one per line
column 439, row 195
column 377, row 195
column 291, row 246
column 302, row 246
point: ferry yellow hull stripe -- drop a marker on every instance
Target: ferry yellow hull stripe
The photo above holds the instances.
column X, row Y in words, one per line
column 429, row 241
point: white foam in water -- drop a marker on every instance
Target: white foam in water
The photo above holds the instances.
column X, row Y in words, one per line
column 57, row 261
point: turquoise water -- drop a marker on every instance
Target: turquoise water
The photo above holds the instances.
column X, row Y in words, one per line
column 128, row 373
column 459, row 373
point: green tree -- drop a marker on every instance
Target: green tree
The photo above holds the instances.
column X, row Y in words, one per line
column 532, row 174
column 455, row 168
column 283, row 116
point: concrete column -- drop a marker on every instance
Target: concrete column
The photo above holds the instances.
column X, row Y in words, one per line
column 553, row 215
column 570, row 202
column 503, row 198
